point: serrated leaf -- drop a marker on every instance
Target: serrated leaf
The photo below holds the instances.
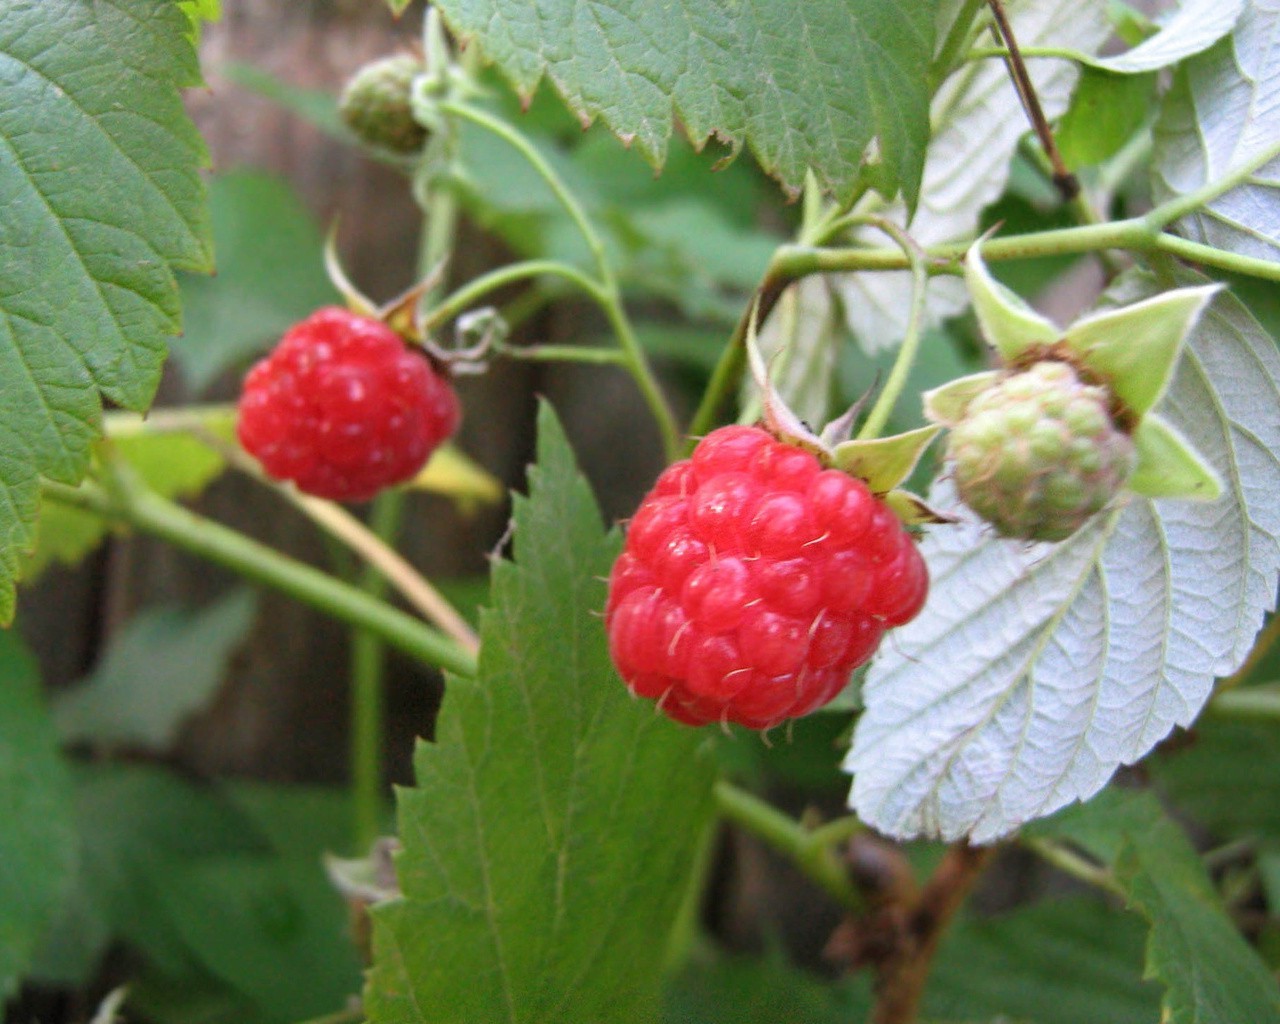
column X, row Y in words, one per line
column 1134, row 348
column 1210, row 973
column 1167, row 466
column 1059, row 961
column 1221, row 116
column 979, row 122
column 1195, row 26
column 162, row 668
column 98, row 180
column 270, row 276
column 806, row 85
column 1036, row 670
column 37, row 831
column 555, row 819
column 175, row 465
column 884, row 462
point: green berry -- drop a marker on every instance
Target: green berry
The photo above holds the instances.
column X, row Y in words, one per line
column 1038, row 453
column 377, row 105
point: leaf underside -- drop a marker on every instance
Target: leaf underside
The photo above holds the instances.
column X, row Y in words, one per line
column 1223, row 114
column 1037, row 670
column 99, row 184
column 807, row 84
column 555, row 818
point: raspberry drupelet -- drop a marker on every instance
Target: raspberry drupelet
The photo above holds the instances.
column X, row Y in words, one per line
column 753, row 582
column 344, row 408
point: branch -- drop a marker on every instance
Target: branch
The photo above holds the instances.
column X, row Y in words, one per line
column 1065, row 181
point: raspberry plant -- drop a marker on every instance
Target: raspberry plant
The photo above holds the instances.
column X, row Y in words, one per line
column 903, row 189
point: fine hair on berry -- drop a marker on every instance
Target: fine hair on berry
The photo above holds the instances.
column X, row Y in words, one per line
column 754, row 580
column 344, row 408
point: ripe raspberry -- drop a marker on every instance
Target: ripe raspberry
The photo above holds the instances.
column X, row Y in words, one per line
column 377, row 105
column 1038, row 453
column 344, row 408
column 754, row 581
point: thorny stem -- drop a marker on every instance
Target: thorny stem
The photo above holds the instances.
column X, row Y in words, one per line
column 259, row 563
column 902, row 977
column 812, row 851
column 606, row 291
column 1066, row 182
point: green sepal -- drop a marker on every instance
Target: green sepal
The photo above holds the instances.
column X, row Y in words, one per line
column 1134, row 349
column 884, row 462
column 948, row 404
column 1168, row 466
column 1009, row 324
column 913, row 510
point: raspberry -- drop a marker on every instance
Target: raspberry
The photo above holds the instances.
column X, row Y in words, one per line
column 344, row 408
column 754, row 581
column 377, row 105
column 1038, row 453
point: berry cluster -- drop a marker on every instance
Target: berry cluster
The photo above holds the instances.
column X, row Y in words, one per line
column 343, row 408
column 754, row 581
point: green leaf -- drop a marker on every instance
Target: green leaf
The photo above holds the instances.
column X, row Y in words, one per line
column 270, row 275
column 1168, row 467
column 1210, row 973
column 1060, row 961
column 1009, row 325
column 175, row 465
column 806, row 84
column 555, row 819
column 163, row 667
column 1135, row 348
column 99, row 183
column 1228, row 779
column 37, row 831
column 1106, row 110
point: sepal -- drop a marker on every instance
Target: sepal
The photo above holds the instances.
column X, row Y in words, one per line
column 913, row 510
column 1168, row 466
column 948, row 404
column 1135, row 348
column 884, row 462
column 1009, row 324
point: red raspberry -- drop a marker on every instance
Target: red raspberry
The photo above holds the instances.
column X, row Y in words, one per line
column 343, row 407
column 754, row 581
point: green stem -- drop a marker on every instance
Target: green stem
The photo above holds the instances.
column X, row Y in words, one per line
column 811, row 851
column 893, row 387
column 1052, row 52
column 475, row 290
column 1166, row 213
column 606, row 292
column 1260, row 703
column 1069, row 862
column 259, row 563
column 567, row 354
column 953, row 45
column 368, row 669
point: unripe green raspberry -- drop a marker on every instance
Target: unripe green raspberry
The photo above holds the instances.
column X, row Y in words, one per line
column 1038, row 453
column 376, row 105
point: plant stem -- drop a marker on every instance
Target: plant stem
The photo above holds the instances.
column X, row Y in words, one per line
column 893, row 387
column 811, row 851
column 1032, row 52
column 1067, row 183
column 475, row 290
column 954, row 44
column 902, row 978
column 259, row 563
column 606, row 291
column 591, row 355
column 1071, row 863
column 1260, row 703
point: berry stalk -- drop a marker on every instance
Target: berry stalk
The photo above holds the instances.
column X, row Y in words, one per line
column 259, row 563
